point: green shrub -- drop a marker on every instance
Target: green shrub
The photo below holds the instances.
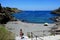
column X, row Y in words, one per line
column 5, row 34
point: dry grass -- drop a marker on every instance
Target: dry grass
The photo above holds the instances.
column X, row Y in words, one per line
column 5, row 34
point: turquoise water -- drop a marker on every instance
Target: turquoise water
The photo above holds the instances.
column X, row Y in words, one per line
column 35, row 16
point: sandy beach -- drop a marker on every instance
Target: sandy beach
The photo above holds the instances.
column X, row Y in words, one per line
column 37, row 29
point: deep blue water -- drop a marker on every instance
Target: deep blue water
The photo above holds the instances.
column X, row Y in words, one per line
column 35, row 16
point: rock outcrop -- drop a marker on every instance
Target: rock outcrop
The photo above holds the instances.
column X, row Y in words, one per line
column 57, row 11
column 5, row 14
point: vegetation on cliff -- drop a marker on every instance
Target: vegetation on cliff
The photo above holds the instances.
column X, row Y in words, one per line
column 57, row 11
column 5, row 34
column 5, row 14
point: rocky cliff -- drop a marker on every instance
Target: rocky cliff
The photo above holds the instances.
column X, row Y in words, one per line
column 5, row 14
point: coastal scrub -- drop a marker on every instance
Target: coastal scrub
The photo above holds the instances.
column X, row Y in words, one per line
column 5, row 34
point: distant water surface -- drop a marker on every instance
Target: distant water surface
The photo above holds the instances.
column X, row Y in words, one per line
column 35, row 16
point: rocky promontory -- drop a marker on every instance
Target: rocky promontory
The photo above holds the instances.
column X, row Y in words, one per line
column 5, row 14
column 57, row 11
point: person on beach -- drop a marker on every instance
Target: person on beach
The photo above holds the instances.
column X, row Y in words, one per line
column 21, row 34
column 21, row 37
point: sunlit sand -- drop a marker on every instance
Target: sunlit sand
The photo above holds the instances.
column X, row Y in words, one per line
column 37, row 29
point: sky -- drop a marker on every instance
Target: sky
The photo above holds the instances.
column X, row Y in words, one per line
column 32, row 4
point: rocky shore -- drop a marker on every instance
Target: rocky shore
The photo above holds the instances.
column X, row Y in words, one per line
column 56, row 18
column 5, row 14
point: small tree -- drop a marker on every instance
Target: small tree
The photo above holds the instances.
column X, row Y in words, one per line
column 0, row 8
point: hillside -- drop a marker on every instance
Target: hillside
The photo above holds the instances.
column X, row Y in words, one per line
column 5, row 14
column 57, row 11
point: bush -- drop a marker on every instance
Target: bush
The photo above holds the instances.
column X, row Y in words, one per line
column 5, row 34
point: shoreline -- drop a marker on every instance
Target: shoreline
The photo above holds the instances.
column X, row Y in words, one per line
column 31, row 22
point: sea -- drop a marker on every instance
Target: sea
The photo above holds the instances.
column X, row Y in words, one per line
column 35, row 16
